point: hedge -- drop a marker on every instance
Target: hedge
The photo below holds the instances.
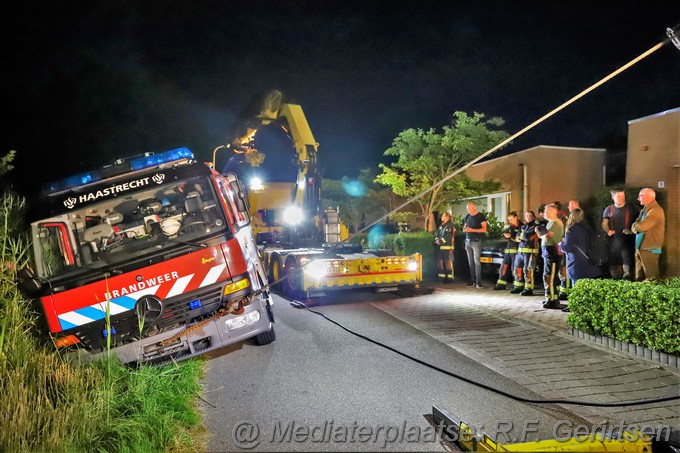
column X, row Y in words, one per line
column 642, row 313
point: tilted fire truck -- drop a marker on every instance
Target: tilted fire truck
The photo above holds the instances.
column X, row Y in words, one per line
column 152, row 259
column 302, row 246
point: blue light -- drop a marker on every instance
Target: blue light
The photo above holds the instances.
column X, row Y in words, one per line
column 156, row 159
column 74, row 181
column 194, row 304
column 106, row 333
column 134, row 164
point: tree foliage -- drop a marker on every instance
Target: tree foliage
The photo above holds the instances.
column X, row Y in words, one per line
column 360, row 200
column 426, row 157
column 6, row 162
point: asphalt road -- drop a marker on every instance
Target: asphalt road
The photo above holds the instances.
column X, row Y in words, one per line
column 320, row 388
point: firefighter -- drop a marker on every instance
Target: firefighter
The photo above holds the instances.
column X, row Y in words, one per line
column 551, row 235
column 511, row 233
column 527, row 254
column 444, row 243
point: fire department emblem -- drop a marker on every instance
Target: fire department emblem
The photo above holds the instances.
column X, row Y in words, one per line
column 158, row 178
column 70, row 202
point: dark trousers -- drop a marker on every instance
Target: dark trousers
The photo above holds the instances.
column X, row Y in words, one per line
column 565, row 283
column 552, row 263
column 506, row 271
column 445, row 262
column 621, row 257
column 525, row 263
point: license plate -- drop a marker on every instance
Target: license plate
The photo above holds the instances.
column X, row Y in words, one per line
column 484, row 259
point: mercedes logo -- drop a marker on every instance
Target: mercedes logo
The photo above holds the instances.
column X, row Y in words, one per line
column 149, row 308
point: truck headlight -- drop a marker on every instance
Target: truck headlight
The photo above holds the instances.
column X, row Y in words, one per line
column 317, row 269
column 413, row 266
column 243, row 320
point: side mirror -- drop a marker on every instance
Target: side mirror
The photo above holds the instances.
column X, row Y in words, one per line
column 28, row 282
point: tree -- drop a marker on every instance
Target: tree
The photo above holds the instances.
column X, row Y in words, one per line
column 426, row 157
column 360, row 200
column 6, row 162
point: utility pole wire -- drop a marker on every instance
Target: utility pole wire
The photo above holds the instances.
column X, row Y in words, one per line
column 522, row 131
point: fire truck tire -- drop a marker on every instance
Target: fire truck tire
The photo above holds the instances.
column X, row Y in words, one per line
column 265, row 337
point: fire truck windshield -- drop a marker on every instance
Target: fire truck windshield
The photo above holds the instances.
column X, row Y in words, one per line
column 116, row 230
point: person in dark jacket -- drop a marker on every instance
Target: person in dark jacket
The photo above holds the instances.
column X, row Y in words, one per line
column 575, row 246
column 527, row 253
column 444, row 243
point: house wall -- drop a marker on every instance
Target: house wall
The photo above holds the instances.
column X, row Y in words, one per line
column 553, row 173
column 653, row 160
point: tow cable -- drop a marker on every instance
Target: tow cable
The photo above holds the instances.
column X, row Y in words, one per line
column 299, row 304
column 224, row 311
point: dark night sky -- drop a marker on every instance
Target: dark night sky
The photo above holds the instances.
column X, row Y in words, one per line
column 89, row 82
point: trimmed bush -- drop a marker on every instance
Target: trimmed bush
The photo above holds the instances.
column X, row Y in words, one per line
column 642, row 313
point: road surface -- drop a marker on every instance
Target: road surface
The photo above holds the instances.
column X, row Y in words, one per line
column 320, row 388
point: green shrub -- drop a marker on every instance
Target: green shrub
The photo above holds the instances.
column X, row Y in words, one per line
column 645, row 314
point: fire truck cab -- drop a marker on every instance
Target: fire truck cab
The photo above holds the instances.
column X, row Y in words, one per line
column 152, row 258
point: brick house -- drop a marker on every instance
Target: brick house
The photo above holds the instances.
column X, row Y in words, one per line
column 537, row 175
column 653, row 160
column 544, row 173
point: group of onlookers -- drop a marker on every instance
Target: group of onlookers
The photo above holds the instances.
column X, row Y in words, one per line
column 566, row 245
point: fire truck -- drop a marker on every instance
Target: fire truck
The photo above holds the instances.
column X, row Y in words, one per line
column 152, row 258
column 303, row 246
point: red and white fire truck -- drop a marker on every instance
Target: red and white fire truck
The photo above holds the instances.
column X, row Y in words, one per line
column 152, row 258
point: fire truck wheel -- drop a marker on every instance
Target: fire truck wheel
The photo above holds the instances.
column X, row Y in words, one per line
column 265, row 337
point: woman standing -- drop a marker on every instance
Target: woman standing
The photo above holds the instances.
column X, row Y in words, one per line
column 575, row 246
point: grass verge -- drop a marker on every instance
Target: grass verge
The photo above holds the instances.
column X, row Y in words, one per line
column 49, row 404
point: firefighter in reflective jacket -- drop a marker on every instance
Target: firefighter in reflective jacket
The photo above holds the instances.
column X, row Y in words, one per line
column 527, row 254
column 444, row 242
column 511, row 233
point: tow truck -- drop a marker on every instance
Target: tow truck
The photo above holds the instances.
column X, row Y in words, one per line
column 152, row 258
column 303, row 247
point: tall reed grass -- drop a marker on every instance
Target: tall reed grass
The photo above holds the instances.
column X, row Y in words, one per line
column 50, row 404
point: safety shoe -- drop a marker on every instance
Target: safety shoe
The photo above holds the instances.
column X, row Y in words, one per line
column 516, row 290
column 551, row 304
column 470, row 285
column 527, row 292
column 479, row 286
column 499, row 288
column 562, row 296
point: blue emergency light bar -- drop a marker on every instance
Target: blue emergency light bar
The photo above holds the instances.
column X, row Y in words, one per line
column 153, row 160
column 121, row 166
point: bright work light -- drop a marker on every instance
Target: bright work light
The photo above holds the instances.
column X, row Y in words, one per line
column 256, row 184
column 292, row 215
